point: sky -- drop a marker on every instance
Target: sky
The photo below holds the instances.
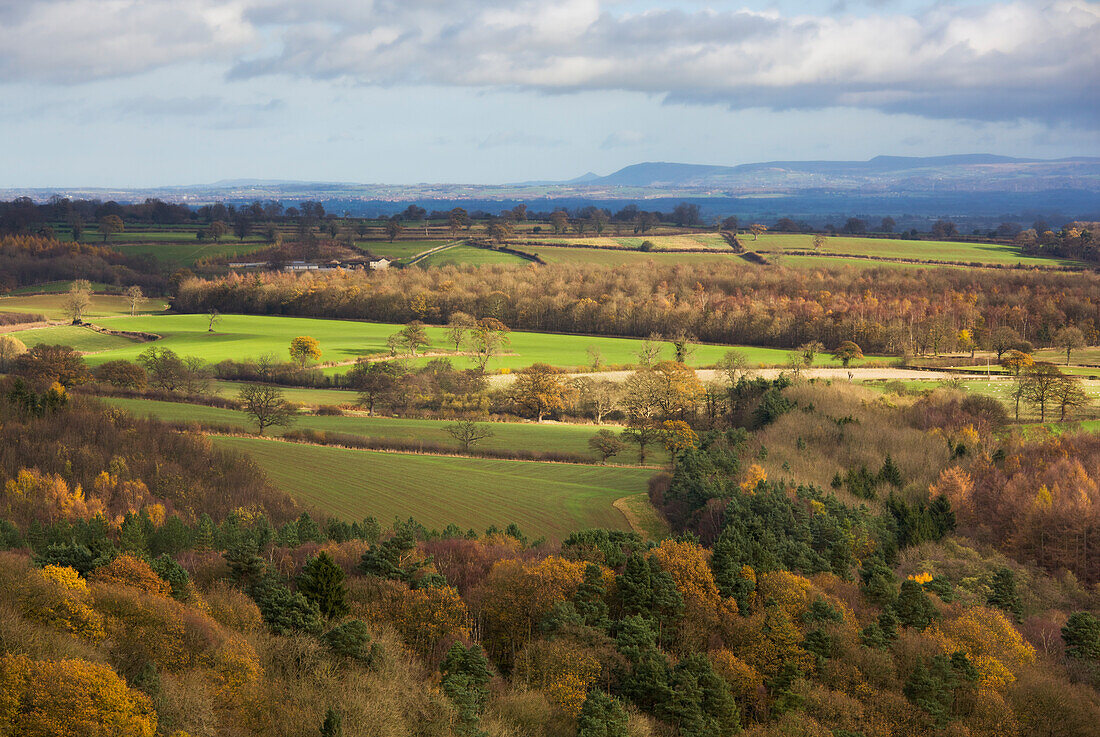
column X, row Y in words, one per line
column 141, row 93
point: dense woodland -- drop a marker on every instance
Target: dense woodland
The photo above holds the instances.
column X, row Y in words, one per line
column 890, row 311
column 840, row 565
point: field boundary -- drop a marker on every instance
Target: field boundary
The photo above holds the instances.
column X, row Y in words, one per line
column 431, row 251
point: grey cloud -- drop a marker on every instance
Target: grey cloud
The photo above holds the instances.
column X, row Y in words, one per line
column 1003, row 60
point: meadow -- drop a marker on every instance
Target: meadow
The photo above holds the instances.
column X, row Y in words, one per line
column 175, row 255
column 790, row 249
column 239, row 337
column 552, row 254
column 466, row 255
column 103, row 305
column 545, row 437
column 892, row 248
column 551, row 499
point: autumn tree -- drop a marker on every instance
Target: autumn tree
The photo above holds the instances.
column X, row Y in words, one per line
column 393, row 228
column 266, row 405
column 10, row 349
column 1069, row 396
column 44, row 364
column 540, row 390
column 809, row 351
column 1069, row 339
column 847, row 352
column 606, row 444
column 597, row 396
column 757, row 229
column 413, row 336
column 678, row 436
column 1039, row 385
column 304, row 348
column 468, row 432
column 135, row 297
column 376, row 381
column 70, row 697
column 487, row 340
column 217, row 229
column 78, row 300
column 457, row 326
column 110, row 225
column 1003, row 339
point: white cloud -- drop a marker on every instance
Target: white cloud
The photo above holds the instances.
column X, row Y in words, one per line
column 72, row 41
column 998, row 61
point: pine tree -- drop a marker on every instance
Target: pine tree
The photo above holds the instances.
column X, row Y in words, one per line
column 890, row 473
column 352, row 640
column 913, row 607
column 322, row 582
column 466, row 683
column 589, row 598
column 1081, row 634
column 205, row 538
column 1003, row 593
column 602, row 716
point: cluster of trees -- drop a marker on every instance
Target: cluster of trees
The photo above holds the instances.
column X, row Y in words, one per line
column 66, row 457
column 883, row 311
column 26, row 260
column 1075, row 240
column 1040, row 502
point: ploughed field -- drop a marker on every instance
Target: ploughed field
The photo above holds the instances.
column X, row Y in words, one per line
column 545, row 437
column 551, row 499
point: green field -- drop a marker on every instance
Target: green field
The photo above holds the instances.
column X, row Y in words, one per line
column 550, row 499
column 547, row 437
column 242, row 336
column 398, row 250
column 984, row 253
column 173, row 255
column 690, row 241
column 470, row 256
column 301, row 394
column 84, row 339
column 103, row 305
column 607, row 257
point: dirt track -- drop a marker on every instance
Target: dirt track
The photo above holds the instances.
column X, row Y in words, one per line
column 839, row 374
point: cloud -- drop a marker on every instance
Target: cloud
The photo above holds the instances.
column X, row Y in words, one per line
column 74, row 41
column 1022, row 59
column 623, row 139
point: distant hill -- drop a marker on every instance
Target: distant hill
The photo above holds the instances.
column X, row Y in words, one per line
column 973, row 172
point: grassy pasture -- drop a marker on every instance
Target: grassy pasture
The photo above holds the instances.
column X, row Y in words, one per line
column 103, row 305
column 398, row 250
column 173, row 255
column 471, row 256
column 550, row 437
column 242, row 336
column 552, row 254
column 985, row 253
column 548, row 499
column 691, row 241
column 81, row 338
